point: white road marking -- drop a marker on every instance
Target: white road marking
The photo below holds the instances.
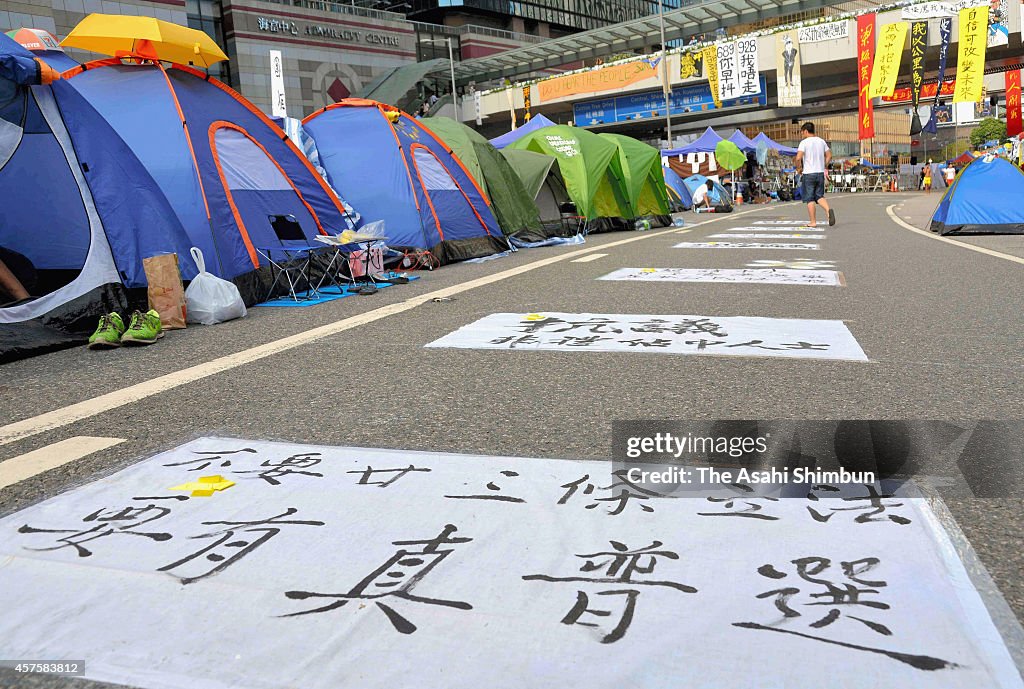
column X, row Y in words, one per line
column 588, row 259
column 52, row 456
column 931, row 235
column 683, row 231
column 85, row 409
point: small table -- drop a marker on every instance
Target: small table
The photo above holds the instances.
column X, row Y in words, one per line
column 293, row 264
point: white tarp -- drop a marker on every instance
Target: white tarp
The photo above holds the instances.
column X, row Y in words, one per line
column 766, row 235
column 776, row 228
column 798, row 223
column 337, row 568
column 769, row 276
column 604, row 332
column 744, row 245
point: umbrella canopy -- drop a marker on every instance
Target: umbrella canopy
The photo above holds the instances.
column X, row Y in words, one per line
column 729, row 155
column 705, row 144
column 773, row 145
column 45, row 46
column 742, row 142
column 146, row 37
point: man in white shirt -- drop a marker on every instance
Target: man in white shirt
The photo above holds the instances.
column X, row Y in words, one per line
column 702, row 195
column 812, row 158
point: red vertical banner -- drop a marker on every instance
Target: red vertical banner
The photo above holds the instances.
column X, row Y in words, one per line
column 1013, row 112
column 865, row 60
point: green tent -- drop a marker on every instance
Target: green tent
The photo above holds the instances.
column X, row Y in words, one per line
column 513, row 206
column 590, row 168
column 543, row 182
column 645, row 180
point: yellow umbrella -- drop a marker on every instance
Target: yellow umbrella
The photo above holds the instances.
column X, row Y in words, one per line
column 154, row 39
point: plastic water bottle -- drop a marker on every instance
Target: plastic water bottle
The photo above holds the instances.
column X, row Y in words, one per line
column 679, row 222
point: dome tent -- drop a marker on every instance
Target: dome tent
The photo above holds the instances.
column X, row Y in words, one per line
column 392, row 168
column 591, row 169
column 227, row 170
column 984, row 199
column 514, row 208
column 643, row 178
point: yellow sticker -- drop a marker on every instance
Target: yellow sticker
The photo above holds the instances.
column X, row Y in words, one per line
column 205, row 486
column 648, row 270
column 534, row 317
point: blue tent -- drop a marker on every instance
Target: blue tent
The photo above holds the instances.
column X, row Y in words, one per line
column 57, row 59
column 678, row 190
column 984, row 199
column 718, row 193
column 536, row 122
column 229, row 173
column 65, row 176
column 392, row 168
column 742, row 142
column 782, row 150
column 705, row 144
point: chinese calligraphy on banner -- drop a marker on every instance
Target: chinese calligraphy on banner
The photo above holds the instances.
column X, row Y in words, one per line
column 764, row 235
column 945, row 31
column 526, row 104
column 970, row 61
column 787, row 50
column 278, row 104
column 599, row 332
column 765, row 276
column 887, row 59
column 738, row 69
column 865, row 58
column 367, row 568
column 1013, row 108
column 918, row 46
column 610, row 78
column 743, row 245
column 830, row 31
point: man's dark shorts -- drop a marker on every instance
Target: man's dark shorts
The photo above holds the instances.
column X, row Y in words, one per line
column 813, row 187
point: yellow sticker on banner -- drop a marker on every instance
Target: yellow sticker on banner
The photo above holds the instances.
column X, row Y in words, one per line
column 205, row 486
column 534, row 317
column 648, row 270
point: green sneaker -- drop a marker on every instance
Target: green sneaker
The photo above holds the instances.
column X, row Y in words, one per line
column 108, row 332
column 144, row 329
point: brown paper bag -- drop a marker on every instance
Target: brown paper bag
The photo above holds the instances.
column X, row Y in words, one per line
column 166, row 293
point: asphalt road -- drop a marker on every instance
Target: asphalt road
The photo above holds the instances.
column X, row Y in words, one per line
column 940, row 325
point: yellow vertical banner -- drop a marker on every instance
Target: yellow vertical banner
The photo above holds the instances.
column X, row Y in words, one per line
column 891, row 40
column 970, row 61
column 710, row 54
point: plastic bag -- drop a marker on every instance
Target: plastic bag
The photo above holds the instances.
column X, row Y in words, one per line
column 164, row 290
column 210, row 299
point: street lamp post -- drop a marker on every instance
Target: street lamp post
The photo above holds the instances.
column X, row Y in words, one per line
column 665, row 86
column 451, row 64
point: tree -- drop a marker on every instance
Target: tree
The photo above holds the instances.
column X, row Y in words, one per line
column 987, row 130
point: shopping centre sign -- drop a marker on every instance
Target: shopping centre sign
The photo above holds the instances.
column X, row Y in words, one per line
column 290, row 28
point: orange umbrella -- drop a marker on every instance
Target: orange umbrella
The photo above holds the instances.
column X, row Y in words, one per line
column 146, row 37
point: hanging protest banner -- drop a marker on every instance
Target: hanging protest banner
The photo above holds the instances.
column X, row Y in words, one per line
column 787, row 54
column 278, row 102
column 918, row 45
column 937, row 10
column 886, row 70
column 764, row 276
column 717, row 335
column 728, row 70
column 945, row 31
column 743, row 245
column 970, row 62
column 691, row 64
column 748, row 67
column 830, row 31
column 1013, row 108
column 478, row 106
column 710, row 58
column 398, row 568
column 865, row 58
column 610, row 78
column 526, row 103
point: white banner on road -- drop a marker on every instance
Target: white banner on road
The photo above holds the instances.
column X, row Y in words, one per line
column 765, row 235
column 744, row 245
column 793, row 263
column 603, row 332
column 797, row 223
column 358, row 568
column 769, row 276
